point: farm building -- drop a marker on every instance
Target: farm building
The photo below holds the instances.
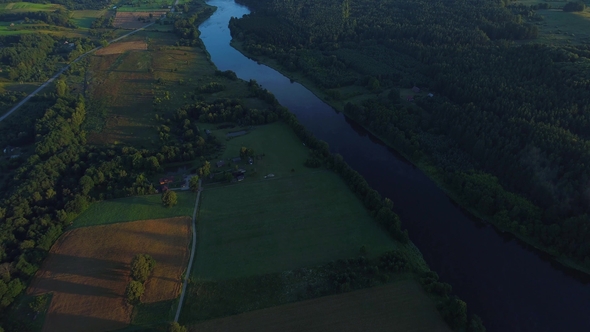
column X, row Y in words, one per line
column 166, row 180
column 220, row 163
column 237, row 159
column 416, row 89
column 240, row 178
column 410, row 98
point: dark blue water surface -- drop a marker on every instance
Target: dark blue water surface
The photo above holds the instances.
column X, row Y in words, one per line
column 511, row 286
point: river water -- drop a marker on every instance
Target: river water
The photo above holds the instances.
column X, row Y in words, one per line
column 511, row 286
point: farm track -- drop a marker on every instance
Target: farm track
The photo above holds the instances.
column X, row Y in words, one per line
column 22, row 102
column 192, row 257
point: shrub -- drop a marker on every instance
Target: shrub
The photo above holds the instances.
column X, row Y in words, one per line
column 134, row 291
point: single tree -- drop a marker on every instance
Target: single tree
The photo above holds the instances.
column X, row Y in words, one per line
column 141, row 267
column 169, row 198
column 193, row 183
column 175, row 327
column 134, row 291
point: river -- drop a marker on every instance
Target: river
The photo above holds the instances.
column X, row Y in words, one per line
column 510, row 285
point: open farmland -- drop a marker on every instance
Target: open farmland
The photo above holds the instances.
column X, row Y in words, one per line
column 88, row 269
column 128, row 89
column 135, row 208
column 402, row 306
column 122, row 47
column 559, row 27
column 131, row 20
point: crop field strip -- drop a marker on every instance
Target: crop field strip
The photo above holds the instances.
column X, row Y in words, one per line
column 88, row 269
column 398, row 307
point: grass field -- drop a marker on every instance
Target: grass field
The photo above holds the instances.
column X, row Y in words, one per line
column 270, row 140
column 88, row 269
column 402, row 306
column 19, row 7
column 144, row 5
column 559, row 27
column 135, row 208
column 84, row 18
column 281, row 224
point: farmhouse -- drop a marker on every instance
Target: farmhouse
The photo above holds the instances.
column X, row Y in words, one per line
column 410, row 98
column 237, row 159
column 240, row 178
column 220, row 163
column 166, row 180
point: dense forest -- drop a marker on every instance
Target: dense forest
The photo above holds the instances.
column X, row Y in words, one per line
column 506, row 126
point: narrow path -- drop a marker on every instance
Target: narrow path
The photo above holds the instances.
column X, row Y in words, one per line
column 190, row 261
column 22, row 102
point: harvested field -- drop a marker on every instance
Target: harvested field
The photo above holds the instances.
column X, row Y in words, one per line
column 130, row 20
column 88, row 269
column 401, row 306
column 122, row 47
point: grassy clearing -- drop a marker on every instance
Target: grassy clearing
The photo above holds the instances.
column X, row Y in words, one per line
column 559, row 27
column 134, row 208
column 401, row 306
column 88, row 269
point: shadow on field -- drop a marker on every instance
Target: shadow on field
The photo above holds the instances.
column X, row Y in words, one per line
column 87, row 267
column 68, row 287
column 168, row 238
column 64, row 322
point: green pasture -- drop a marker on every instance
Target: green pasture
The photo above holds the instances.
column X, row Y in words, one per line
column 134, row 208
column 280, row 224
column 282, row 149
column 145, row 5
column 18, row 7
column 84, row 18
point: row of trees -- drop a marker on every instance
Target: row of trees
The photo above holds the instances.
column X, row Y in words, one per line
column 142, row 266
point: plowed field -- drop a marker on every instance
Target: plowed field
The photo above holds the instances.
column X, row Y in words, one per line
column 121, row 47
column 88, row 269
column 399, row 307
column 130, row 20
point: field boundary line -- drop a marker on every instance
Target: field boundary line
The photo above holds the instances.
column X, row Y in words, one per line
column 190, row 261
column 66, row 67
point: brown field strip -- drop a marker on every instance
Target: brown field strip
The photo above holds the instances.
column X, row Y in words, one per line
column 88, row 269
column 121, row 47
column 401, row 306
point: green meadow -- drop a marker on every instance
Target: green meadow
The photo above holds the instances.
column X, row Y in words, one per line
column 134, row 208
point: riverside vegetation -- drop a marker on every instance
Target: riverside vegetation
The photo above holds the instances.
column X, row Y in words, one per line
column 463, row 90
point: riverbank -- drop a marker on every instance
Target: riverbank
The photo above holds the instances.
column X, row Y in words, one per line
column 424, row 165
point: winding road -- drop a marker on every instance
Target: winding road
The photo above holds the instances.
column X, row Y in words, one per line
column 22, row 102
column 190, row 261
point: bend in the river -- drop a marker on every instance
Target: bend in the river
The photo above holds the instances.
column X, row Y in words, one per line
column 511, row 286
